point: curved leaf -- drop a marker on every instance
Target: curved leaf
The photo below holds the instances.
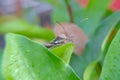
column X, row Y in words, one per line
column 111, row 66
column 90, row 72
column 93, row 48
column 108, row 40
column 27, row 60
column 21, row 27
column 64, row 51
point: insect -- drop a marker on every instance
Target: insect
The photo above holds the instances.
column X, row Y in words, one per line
column 60, row 39
column 73, row 34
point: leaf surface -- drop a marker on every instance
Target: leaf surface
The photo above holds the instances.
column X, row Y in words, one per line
column 64, row 51
column 111, row 66
column 27, row 60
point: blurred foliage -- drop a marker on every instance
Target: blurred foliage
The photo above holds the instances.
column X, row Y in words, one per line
column 22, row 27
column 94, row 12
column 1, row 54
column 60, row 12
column 93, row 48
column 111, row 67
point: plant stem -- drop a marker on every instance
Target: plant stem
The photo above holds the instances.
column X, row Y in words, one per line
column 69, row 8
column 18, row 11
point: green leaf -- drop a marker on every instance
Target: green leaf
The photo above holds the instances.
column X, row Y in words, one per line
column 90, row 72
column 27, row 60
column 93, row 48
column 67, row 1
column 1, row 53
column 78, row 12
column 101, row 32
column 21, row 27
column 64, row 51
column 111, row 66
column 60, row 13
column 94, row 12
column 108, row 40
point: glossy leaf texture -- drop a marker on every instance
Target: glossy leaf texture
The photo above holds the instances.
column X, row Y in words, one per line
column 93, row 47
column 27, row 60
column 94, row 13
column 22, row 27
column 111, row 66
column 64, row 51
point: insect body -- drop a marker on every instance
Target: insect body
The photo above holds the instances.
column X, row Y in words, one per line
column 61, row 39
